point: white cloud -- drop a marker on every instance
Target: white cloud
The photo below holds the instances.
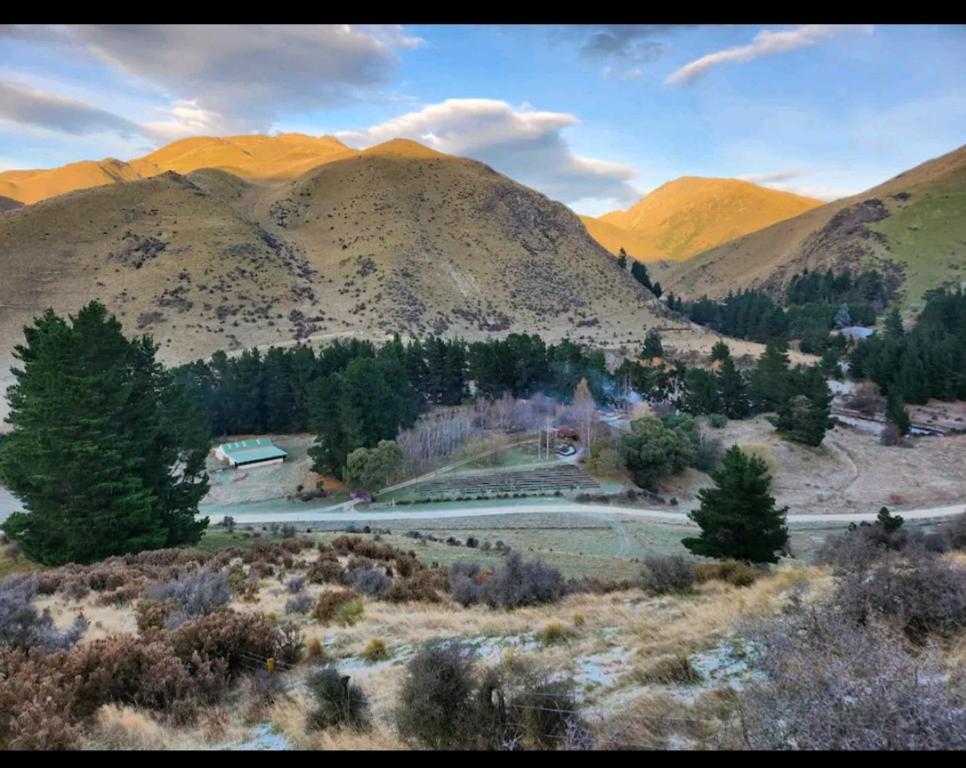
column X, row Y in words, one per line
column 238, row 77
column 523, row 143
column 765, row 43
column 22, row 105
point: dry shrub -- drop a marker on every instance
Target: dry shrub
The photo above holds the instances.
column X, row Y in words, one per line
column 670, row 669
column 23, row 626
column 553, row 632
column 832, row 684
column 375, row 650
column 331, row 602
column 325, row 570
column 666, row 574
column 427, row 586
column 734, row 572
column 234, row 638
column 763, row 452
column 368, row 581
column 337, row 701
column 514, row 584
column 314, row 650
column 151, row 614
column 124, row 727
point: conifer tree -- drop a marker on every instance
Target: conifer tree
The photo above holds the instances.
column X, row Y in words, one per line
column 805, row 417
column 732, row 391
column 738, row 517
column 896, row 413
column 107, row 452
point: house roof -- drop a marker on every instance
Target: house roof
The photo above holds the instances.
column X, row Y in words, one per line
column 247, row 451
column 857, row 330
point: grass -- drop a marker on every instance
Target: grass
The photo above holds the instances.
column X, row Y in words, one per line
column 928, row 236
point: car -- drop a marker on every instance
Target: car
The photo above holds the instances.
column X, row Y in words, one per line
column 566, row 450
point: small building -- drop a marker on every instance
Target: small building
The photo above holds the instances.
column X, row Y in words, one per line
column 856, row 332
column 258, row 452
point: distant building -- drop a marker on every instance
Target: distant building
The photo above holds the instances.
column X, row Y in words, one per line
column 856, row 332
column 258, row 452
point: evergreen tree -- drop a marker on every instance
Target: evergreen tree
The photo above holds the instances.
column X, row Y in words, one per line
column 657, row 290
column 720, row 351
column 652, row 346
column 805, row 417
column 639, row 271
column 738, row 517
column 622, row 260
column 653, row 450
column 732, row 391
column 769, row 383
column 107, row 451
column 699, row 394
column 897, row 414
column 843, row 318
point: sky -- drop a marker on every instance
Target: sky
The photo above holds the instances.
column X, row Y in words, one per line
column 595, row 116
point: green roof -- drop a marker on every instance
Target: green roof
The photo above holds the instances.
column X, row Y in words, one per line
column 248, row 451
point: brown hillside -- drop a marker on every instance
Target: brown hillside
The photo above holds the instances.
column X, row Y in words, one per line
column 691, row 214
column 9, row 204
column 912, row 227
column 370, row 245
column 252, row 157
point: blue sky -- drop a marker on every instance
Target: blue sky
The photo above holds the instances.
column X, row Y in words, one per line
column 594, row 116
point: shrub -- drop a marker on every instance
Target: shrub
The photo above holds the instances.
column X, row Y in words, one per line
column 301, row 604
column 832, row 684
column 314, row 649
column 289, row 642
column 670, row 573
column 734, row 572
column 435, row 705
column 542, row 711
column 288, row 531
column 325, row 570
column 423, row 586
column 919, row 591
column 329, row 603
column 194, row 594
column 369, row 581
column 956, row 531
column 375, row 650
column 667, row 670
column 230, row 637
column 718, row 420
column 295, row 585
column 12, row 551
column 23, row 627
column 552, row 632
column 579, row 620
column 337, row 701
column 517, row 583
column 349, row 613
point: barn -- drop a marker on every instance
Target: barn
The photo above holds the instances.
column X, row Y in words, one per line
column 258, row 452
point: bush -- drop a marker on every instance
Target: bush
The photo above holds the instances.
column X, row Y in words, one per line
column 435, row 706
column 301, row 604
column 956, row 532
column 668, row 670
column 23, row 627
column 718, row 420
column 195, row 594
column 671, row 573
column 832, row 684
column 232, row 638
column 552, row 632
column 314, row 649
column 369, row 581
column 289, row 643
column 337, row 701
column 288, row 531
column 375, row 650
column 920, row 592
column 295, row 585
column 329, row 603
column 706, row 451
column 325, row 570
column 734, row 572
column 517, row 583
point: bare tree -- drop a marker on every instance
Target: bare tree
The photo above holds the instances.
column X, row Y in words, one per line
column 583, row 411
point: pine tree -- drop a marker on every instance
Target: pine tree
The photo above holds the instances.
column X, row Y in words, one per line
column 107, row 452
column 738, row 517
column 653, row 347
column 805, row 417
column 720, row 351
column 732, row 391
column 897, row 414
column 769, row 384
column 622, row 260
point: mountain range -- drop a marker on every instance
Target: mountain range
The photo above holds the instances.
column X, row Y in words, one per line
column 692, row 214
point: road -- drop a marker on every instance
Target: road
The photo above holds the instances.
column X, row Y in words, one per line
column 243, row 514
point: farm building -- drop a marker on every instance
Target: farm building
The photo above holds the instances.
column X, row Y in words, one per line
column 258, row 452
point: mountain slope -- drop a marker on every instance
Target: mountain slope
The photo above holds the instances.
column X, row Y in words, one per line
column 252, row 157
column 378, row 243
column 9, row 204
column 912, row 227
column 692, row 214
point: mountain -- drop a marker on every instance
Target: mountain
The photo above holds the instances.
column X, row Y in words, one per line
column 692, row 214
column 252, row 157
column 394, row 239
column 9, row 204
column 912, row 228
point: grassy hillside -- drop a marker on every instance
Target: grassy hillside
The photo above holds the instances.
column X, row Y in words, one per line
column 691, row 214
column 911, row 227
